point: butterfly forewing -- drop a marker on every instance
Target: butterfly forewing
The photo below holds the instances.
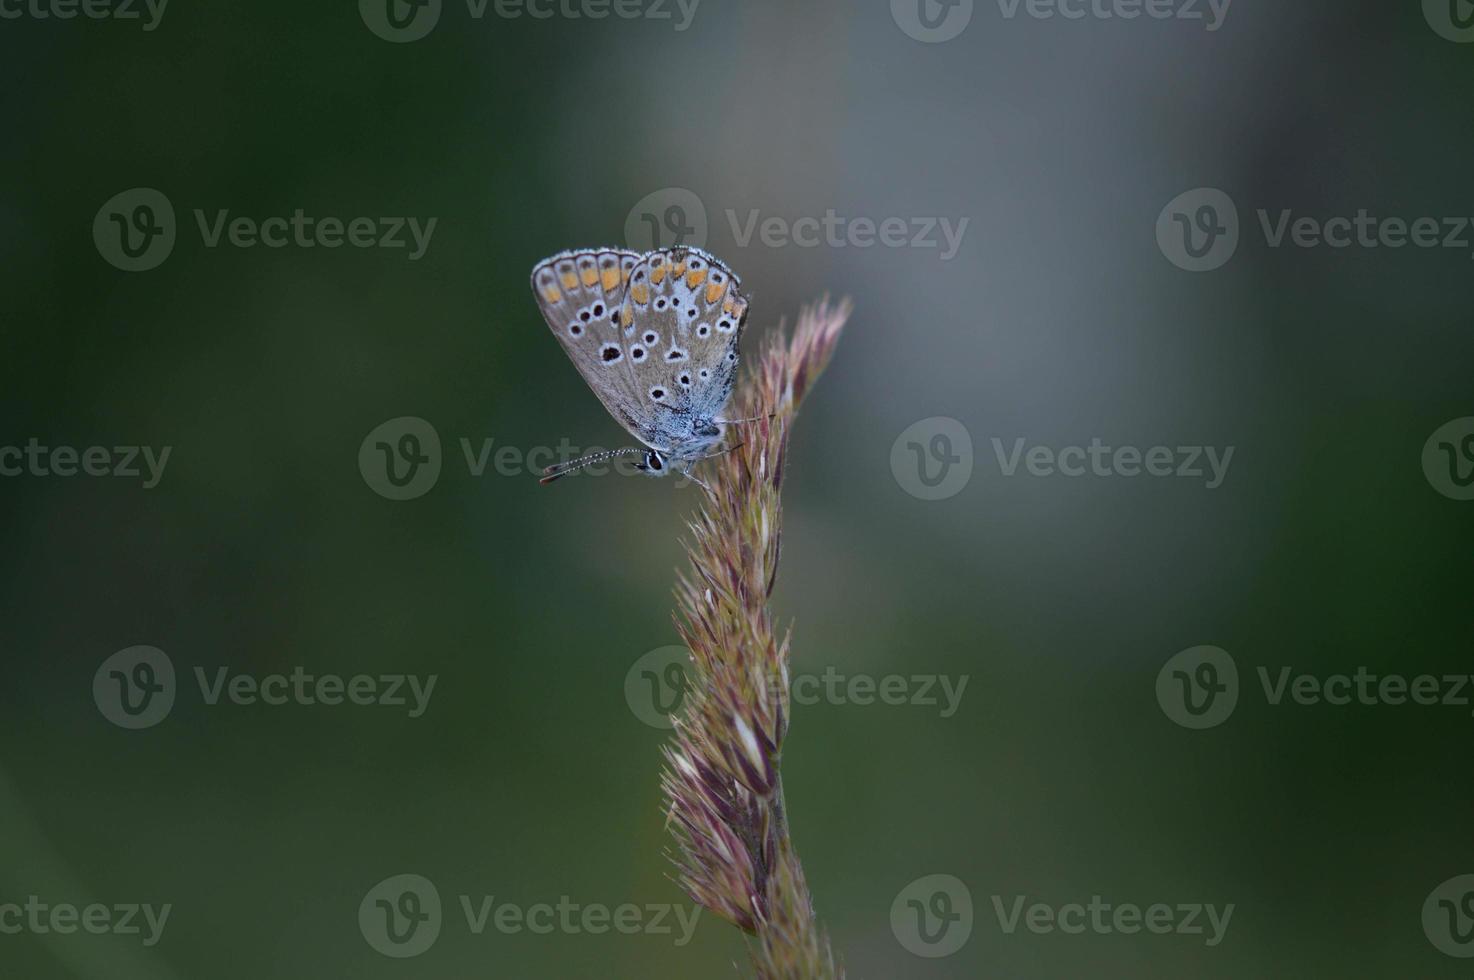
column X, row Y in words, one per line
column 654, row 335
column 580, row 295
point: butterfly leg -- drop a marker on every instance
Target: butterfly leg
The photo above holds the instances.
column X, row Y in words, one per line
column 698, row 480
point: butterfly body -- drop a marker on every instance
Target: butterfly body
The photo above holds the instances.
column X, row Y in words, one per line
column 655, row 336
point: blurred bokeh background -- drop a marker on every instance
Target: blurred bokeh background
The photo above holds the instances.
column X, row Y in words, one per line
column 1057, row 319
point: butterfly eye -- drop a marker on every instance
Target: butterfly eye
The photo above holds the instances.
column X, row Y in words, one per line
column 675, row 354
column 705, row 374
column 703, row 330
column 610, row 353
column 731, row 356
column 637, row 353
column 660, row 304
column 684, row 380
column 598, row 309
column 651, row 337
column 657, row 394
column 575, row 328
column 725, row 326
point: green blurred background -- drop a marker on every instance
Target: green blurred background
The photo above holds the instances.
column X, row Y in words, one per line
column 530, row 776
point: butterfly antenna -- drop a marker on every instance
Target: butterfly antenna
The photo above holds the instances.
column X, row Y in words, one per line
column 559, row 470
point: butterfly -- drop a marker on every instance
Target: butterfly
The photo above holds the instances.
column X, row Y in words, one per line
column 655, row 336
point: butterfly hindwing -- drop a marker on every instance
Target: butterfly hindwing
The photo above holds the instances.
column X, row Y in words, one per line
column 683, row 315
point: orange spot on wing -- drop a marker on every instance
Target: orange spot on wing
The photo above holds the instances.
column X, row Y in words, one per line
column 570, row 281
column 713, row 292
column 610, row 278
column 657, row 274
column 641, row 293
column 551, row 294
column 590, row 276
column 695, row 277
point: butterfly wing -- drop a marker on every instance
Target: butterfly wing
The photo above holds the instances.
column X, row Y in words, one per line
column 580, row 294
column 682, row 318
